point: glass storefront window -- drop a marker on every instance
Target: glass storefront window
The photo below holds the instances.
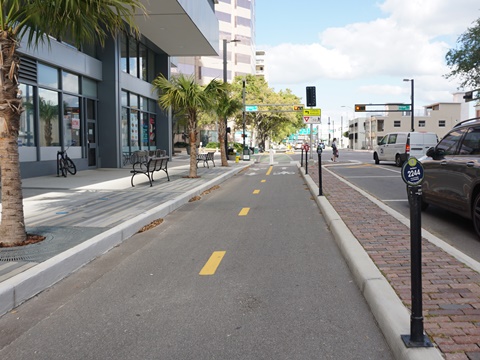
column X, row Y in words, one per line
column 133, row 101
column 124, row 130
column 124, row 98
column 124, row 52
column 48, row 76
column 145, row 134
column 89, row 87
column 49, row 125
column 134, row 130
column 151, row 131
column 132, row 58
column 71, row 121
column 26, row 134
column 143, row 59
column 70, row 82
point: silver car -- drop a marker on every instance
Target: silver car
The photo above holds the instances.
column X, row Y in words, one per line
column 452, row 172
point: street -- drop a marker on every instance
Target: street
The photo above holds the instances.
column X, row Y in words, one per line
column 247, row 271
column 384, row 182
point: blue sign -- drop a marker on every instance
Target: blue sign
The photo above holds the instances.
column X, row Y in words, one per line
column 412, row 172
column 250, row 108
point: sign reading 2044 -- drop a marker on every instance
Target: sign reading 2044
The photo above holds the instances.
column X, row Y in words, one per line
column 412, row 172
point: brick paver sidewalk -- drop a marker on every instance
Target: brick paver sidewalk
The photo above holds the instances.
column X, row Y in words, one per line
column 451, row 290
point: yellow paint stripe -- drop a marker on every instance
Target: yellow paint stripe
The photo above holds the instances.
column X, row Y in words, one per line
column 256, row 191
column 212, row 264
column 263, row 181
column 244, row 212
column 269, row 170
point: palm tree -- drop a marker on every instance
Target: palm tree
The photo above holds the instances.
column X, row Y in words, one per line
column 82, row 21
column 183, row 92
column 226, row 107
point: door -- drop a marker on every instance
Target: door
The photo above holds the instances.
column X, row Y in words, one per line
column 92, row 143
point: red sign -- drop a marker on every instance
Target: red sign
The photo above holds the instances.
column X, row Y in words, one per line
column 307, row 147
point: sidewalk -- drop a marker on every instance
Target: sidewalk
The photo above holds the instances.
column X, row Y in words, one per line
column 451, row 280
column 85, row 215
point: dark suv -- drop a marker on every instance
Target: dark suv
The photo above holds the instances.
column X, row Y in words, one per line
column 452, row 172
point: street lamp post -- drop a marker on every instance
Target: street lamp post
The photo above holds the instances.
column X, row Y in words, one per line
column 225, row 80
column 411, row 104
column 354, row 131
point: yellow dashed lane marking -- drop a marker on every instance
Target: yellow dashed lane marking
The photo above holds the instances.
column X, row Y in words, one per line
column 256, row 191
column 212, row 264
column 244, row 212
column 263, row 181
column 269, row 170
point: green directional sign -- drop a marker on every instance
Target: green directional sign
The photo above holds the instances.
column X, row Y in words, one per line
column 404, row 107
column 249, row 108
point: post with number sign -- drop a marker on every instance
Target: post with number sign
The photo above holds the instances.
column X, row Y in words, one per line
column 412, row 174
column 301, row 158
column 307, row 147
column 319, row 152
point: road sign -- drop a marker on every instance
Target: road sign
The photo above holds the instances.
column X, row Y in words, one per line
column 312, row 112
column 412, row 172
column 312, row 120
column 250, row 108
column 404, row 107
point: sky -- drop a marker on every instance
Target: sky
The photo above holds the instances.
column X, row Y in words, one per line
column 359, row 51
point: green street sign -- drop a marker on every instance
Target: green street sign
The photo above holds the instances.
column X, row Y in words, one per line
column 404, row 107
column 251, row 108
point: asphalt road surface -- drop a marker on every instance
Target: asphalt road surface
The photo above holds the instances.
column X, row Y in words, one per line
column 248, row 271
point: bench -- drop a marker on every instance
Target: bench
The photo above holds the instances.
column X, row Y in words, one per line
column 206, row 158
column 147, row 162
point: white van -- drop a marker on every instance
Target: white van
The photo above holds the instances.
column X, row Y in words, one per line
column 399, row 146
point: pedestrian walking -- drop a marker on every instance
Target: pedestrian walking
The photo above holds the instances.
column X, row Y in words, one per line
column 334, row 150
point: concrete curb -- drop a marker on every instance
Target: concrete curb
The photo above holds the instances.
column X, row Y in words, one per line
column 34, row 280
column 391, row 315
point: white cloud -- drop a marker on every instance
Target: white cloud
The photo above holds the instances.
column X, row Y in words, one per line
column 409, row 42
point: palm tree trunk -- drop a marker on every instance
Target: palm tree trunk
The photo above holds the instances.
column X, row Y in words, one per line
column 221, row 134
column 192, row 126
column 12, row 226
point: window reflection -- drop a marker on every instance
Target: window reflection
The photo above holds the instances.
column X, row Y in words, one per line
column 26, row 134
column 49, row 125
column 71, row 121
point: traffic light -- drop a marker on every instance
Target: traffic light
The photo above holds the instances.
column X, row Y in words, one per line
column 311, row 96
column 360, row 108
column 298, row 107
column 468, row 96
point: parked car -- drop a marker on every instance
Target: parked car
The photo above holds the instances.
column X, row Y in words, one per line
column 298, row 145
column 452, row 172
column 399, row 146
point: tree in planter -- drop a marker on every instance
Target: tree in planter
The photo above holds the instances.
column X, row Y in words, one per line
column 226, row 107
column 183, row 92
column 82, row 22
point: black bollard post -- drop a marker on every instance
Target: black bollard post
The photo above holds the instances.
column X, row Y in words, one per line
column 412, row 175
column 301, row 158
column 319, row 152
column 416, row 337
column 306, row 161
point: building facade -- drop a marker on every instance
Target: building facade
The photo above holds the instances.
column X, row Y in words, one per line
column 236, row 20
column 99, row 102
column 438, row 118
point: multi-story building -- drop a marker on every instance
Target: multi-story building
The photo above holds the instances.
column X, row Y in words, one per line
column 99, row 102
column 438, row 118
column 260, row 64
column 236, row 20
